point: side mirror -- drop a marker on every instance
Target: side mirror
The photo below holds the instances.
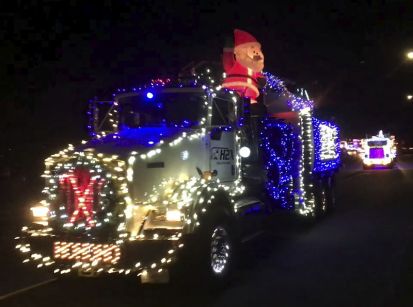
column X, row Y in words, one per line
column 102, row 119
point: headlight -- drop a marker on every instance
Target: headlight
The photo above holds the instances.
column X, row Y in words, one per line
column 173, row 215
column 244, row 152
column 367, row 162
column 40, row 214
column 39, row 211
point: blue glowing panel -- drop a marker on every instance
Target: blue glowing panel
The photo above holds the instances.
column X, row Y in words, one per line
column 295, row 103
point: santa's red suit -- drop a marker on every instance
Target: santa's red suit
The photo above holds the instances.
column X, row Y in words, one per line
column 238, row 77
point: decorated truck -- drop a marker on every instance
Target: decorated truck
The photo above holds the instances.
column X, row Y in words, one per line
column 181, row 170
column 379, row 151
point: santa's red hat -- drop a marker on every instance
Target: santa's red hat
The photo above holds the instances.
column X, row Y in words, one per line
column 242, row 37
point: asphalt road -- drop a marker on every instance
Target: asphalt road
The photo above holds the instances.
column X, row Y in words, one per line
column 362, row 255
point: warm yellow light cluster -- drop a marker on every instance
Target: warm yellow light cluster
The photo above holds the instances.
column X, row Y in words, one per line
column 305, row 202
column 87, row 252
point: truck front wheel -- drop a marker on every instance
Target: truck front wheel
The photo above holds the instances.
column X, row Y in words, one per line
column 217, row 250
column 220, row 251
column 209, row 257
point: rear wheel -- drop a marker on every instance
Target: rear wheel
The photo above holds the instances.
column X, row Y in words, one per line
column 331, row 195
column 324, row 195
column 320, row 198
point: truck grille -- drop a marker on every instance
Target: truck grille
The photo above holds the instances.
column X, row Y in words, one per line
column 86, row 252
column 83, row 200
column 87, row 194
column 80, row 193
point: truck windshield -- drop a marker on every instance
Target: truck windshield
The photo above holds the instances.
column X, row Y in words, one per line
column 154, row 109
column 377, row 143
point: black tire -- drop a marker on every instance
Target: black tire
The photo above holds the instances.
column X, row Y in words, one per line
column 219, row 248
column 208, row 243
column 324, row 196
column 331, row 195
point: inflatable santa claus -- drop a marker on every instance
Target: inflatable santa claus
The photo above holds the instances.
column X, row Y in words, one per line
column 243, row 66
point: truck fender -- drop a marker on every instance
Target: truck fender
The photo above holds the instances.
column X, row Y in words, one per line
column 209, row 203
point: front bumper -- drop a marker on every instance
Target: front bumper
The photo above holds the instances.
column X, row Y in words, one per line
column 377, row 162
column 63, row 255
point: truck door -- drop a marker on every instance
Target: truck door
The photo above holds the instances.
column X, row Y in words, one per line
column 222, row 139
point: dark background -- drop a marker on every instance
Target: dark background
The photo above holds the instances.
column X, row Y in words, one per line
column 55, row 55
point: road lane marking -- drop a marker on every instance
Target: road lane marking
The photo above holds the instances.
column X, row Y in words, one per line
column 253, row 236
column 27, row 288
column 349, row 176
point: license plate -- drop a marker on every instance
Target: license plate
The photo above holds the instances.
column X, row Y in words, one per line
column 86, row 252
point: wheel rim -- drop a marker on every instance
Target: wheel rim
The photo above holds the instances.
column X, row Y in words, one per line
column 323, row 200
column 332, row 199
column 330, row 195
column 220, row 250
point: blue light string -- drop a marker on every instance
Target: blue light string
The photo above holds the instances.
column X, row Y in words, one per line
column 281, row 159
column 296, row 103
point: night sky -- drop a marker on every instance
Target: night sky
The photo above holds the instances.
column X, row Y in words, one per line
column 55, row 55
